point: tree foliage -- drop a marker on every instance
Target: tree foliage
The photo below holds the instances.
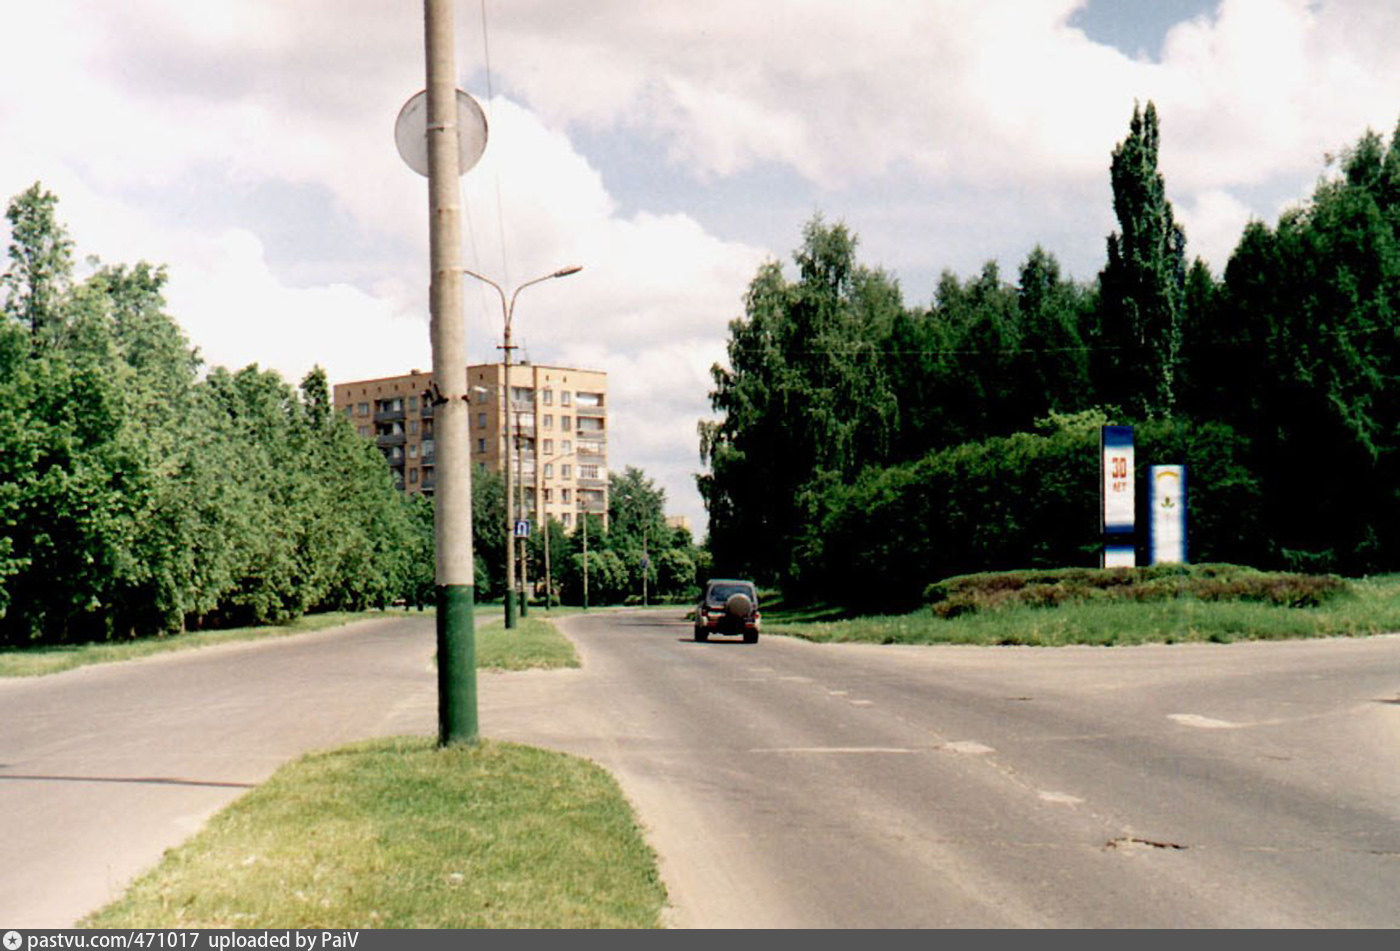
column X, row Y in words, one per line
column 862, row 446
column 137, row 497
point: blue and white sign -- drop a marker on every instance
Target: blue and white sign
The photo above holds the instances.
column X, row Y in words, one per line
column 1116, row 462
column 1168, row 514
column 522, row 528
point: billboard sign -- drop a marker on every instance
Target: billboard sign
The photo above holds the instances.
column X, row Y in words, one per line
column 1168, row 514
column 1116, row 465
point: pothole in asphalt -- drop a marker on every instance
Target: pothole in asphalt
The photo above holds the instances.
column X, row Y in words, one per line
column 966, row 746
column 1130, row 842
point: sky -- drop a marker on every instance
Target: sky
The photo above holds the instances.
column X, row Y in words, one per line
column 669, row 148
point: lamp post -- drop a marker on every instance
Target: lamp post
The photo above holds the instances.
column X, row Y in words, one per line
column 507, row 311
column 544, row 521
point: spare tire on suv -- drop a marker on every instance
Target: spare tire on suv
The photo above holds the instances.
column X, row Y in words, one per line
column 730, row 606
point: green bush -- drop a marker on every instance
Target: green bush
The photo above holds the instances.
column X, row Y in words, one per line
column 968, row 594
column 1030, row 500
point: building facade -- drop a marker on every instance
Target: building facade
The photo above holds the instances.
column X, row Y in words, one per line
column 559, row 462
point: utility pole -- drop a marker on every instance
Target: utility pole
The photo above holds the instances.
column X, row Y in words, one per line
column 507, row 315
column 520, row 507
column 452, row 525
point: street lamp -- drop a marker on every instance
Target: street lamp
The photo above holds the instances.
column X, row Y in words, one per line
column 507, row 311
column 544, row 521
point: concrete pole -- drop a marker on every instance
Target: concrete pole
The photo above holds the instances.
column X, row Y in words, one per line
column 452, row 501
column 507, row 311
column 505, row 468
column 524, row 541
column 585, row 559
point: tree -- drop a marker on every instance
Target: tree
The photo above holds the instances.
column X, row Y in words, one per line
column 1143, row 284
column 805, row 399
column 41, row 264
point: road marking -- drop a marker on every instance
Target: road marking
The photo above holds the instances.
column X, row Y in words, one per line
column 862, row 703
column 760, row 670
column 800, row 680
column 966, row 746
column 837, row 749
column 1203, row 723
column 839, row 693
column 1060, row 797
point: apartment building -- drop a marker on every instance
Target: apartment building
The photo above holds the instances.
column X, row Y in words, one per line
column 559, row 462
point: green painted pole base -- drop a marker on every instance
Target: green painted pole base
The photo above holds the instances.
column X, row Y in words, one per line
column 524, row 605
column 510, row 609
column 456, row 657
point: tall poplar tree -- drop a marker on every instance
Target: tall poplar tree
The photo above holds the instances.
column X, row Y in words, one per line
column 1143, row 285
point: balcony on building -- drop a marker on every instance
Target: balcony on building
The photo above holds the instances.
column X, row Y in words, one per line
column 388, row 411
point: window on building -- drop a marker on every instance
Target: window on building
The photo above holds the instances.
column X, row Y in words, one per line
column 567, row 518
column 588, row 472
column 481, row 445
column 480, row 420
column 564, row 422
column 549, row 470
column 362, row 409
column 564, row 398
column 364, row 430
column 349, row 411
column 589, row 399
column 549, row 495
column 565, row 471
column 413, row 427
column 413, row 403
column 564, row 495
column 549, row 447
column 567, row 446
column 412, row 476
column 548, row 397
column 429, row 450
column 548, row 421
column 413, row 450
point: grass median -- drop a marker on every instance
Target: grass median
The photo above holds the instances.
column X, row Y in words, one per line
column 1368, row 606
column 56, row 658
column 400, row 834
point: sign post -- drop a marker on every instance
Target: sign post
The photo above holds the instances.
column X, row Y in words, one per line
column 1116, row 467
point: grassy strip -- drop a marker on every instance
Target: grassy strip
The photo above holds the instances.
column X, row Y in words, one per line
column 400, row 834
column 533, row 643
column 1373, row 607
column 48, row 659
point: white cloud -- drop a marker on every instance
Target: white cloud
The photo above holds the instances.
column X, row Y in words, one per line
column 949, row 131
column 1213, row 221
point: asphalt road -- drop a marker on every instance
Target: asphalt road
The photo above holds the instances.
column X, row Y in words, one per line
column 103, row 768
column 787, row 784
column 794, row 785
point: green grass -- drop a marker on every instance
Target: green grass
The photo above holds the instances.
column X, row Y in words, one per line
column 534, row 642
column 1372, row 607
column 36, row 661
column 400, row 834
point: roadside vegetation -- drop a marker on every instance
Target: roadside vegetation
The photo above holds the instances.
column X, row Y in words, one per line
column 400, row 834
column 534, row 643
column 1115, row 607
column 863, row 447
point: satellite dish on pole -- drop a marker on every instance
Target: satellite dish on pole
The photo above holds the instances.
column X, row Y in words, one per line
column 411, row 132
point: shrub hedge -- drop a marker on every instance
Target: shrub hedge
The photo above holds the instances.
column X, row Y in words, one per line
column 986, row 591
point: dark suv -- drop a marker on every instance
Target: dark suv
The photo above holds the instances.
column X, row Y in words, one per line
column 729, row 607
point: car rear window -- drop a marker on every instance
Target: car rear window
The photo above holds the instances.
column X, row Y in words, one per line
column 723, row 592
